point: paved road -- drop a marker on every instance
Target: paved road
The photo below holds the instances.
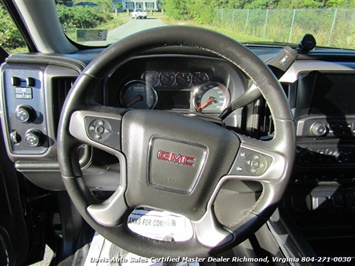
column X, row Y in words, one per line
column 133, row 26
column 130, row 27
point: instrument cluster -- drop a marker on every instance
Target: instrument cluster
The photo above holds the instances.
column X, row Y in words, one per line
column 193, row 85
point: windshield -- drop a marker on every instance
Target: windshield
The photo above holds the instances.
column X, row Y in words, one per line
column 102, row 22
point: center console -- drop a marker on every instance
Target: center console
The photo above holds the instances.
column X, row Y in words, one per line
column 325, row 117
column 320, row 202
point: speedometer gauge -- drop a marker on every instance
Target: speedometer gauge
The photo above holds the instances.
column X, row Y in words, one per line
column 138, row 95
column 211, row 97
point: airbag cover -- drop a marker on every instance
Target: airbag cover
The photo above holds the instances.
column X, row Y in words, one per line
column 174, row 165
column 174, row 162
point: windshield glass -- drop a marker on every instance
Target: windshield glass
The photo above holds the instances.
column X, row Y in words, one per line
column 102, row 22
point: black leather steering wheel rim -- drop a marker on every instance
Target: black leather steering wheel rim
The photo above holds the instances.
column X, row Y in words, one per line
column 282, row 146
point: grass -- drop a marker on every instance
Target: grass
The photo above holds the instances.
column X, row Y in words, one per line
column 117, row 20
column 240, row 37
column 330, row 27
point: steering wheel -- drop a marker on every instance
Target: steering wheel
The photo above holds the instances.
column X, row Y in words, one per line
column 173, row 162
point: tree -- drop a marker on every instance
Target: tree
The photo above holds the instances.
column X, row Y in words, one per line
column 263, row 4
column 176, row 9
column 10, row 38
column 300, row 3
column 104, row 5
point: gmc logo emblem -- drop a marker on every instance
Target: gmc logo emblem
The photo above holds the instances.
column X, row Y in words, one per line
column 176, row 158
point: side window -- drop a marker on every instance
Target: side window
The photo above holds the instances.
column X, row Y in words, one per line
column 10, row 39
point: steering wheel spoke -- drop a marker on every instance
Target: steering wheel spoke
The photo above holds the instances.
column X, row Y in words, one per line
column 209, row 233
column 258, row 161
column 111, row 211
column 99, row 129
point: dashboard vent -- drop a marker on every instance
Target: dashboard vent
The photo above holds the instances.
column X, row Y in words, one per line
column 262, row 118
column 291, row 93
column 60, row 90
column 262, row 124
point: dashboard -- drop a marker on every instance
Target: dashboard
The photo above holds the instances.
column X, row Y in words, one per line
column 319, row 89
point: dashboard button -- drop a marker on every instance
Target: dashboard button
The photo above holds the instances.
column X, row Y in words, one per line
column 30, row 82
column 34, row 138
column 15, row 137
column 318, row 129
column 25, row 114
column 15, row 81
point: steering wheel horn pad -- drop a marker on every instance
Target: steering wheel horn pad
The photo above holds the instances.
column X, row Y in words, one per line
column 172, row 162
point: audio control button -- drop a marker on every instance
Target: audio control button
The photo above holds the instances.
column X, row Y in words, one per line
column 250, row 163
column 318, row 129
column 99, row 130
column 256, row 164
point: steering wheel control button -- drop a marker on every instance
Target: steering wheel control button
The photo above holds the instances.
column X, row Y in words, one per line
column 34, row 138
column 104, row 131
column 256, row 164
column 250, row 162
column 175, row 166
column 99, row 130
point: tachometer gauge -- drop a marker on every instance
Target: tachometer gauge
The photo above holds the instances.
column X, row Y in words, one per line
column 211, row 97
column 138, row 95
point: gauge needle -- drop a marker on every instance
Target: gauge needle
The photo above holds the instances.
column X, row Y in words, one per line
column 138, row 99
column 206, row 103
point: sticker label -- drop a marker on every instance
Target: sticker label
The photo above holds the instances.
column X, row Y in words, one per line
column 160, row 225
column 91, row 35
